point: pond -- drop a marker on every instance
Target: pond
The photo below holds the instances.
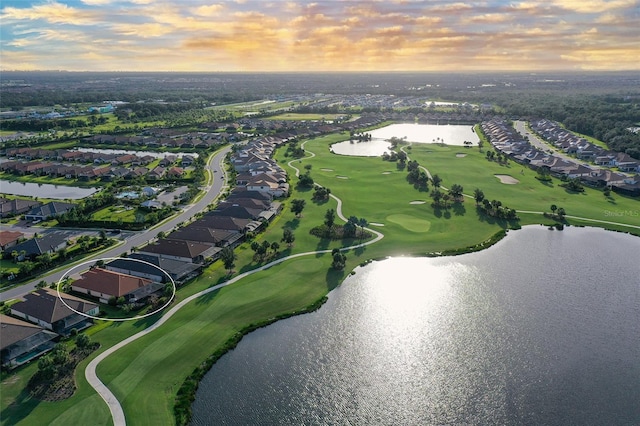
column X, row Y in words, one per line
column 448, row 134
column 45, row 190
column 138, row 153
column 416, row 133
column 541, row 328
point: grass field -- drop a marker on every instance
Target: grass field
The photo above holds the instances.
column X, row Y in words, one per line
column 146, row 375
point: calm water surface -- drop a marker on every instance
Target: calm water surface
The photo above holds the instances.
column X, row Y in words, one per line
column 418, row 133
column 45, row 190
column 541, row 329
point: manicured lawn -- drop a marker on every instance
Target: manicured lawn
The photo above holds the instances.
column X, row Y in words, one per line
column 115, row 213
column 7, row 265
column 146, row 375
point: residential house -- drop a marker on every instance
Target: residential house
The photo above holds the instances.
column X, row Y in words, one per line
column 16, row 206
column 20, row 341
column 154, row 268
column 48, row 243
column 49, row 210
column 105, row 284
column 185, row 251
column 9, row 239
column 45, row 308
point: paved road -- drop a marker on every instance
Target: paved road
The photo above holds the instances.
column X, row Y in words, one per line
column 521, row 127
column 214, row 188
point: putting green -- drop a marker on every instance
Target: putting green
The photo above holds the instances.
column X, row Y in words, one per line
column 410, row 223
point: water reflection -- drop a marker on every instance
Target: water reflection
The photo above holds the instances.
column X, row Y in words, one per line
column 531, row 331
column 45, row 190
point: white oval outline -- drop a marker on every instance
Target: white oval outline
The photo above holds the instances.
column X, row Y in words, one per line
column 173, row 283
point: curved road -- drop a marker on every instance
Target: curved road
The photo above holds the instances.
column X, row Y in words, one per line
column 215, row 185
column 117, row 414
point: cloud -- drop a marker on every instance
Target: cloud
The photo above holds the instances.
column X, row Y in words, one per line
column 325, row 35
column 53, row 12
column 594, row 6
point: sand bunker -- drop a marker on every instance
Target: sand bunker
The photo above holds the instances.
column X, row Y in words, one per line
column 417, row 202
column 507, row 180
column 386, row 173
column 342, row 177
column 327, row 170
column 460, row 155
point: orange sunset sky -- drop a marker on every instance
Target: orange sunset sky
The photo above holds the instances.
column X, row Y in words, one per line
column 263, row 36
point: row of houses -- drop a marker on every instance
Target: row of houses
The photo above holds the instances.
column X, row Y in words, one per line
column 33, row 210
column 151, row 139
column 583, row 149
column 87, row 173
column 507, row 140
column 39, row 318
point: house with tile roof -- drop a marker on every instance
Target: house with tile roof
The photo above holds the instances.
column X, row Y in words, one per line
column 9, row 239
column 20, row 341
column 45, row 308
column 104, row 284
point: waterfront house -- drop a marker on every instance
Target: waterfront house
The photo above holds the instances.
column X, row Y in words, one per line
column 20, row 341
column 49, row 210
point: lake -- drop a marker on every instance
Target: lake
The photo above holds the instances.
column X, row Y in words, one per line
column 153, row 154
column 45, row 190
column 417, row 133
column 541, row 328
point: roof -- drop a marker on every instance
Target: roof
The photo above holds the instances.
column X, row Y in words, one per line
column 110, row 283
column 176, row 268
column 37, row 246
column 222, row 222
column 53, row 208
column 45, row 305
column 178, row 248
column 13, row 330
column 201, row 234
column 7, row 237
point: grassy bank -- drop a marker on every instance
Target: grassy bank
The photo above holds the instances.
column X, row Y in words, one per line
column 147, row 374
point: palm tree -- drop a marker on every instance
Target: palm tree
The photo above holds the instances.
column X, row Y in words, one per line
column 478, row 195
column 553, row 208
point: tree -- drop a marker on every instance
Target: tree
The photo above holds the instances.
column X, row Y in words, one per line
column 82, row 341
column 275, row 246
column 349, row 228
column 228, row 258
column 436, row 194
column 561, row 213
column 305, row 181
column 553, row 208
column 330, row 218
column 480, row 145
column 339, row 259
column 297, row 206
column 478, row 195
column 288, row 237
column 436, row 181
column 456, row 191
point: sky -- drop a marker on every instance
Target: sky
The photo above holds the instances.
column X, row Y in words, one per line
column 320, row 36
